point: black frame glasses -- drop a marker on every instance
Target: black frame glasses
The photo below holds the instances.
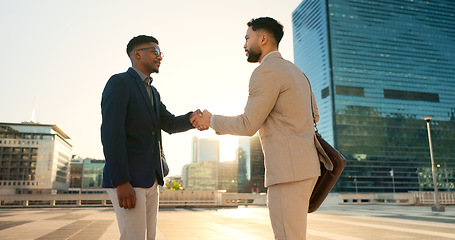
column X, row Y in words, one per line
column 157, row 51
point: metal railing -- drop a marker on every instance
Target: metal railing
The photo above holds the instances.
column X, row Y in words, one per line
column 416, row 198
column 184, row 198
column 427, row 198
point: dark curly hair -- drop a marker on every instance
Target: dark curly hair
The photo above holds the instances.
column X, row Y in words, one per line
column 268, row 24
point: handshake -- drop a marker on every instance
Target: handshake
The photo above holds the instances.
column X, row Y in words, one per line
column 201, row 120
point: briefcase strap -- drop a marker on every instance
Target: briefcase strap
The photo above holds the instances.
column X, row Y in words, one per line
column 312, row 108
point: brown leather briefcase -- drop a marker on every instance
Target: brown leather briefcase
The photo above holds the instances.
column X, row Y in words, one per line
column 328, row 178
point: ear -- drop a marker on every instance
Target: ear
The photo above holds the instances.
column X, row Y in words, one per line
column 264, row 39
column 137, row 54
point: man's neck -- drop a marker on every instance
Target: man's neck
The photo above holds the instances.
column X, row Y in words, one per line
column 265, row 53
column 142, row 69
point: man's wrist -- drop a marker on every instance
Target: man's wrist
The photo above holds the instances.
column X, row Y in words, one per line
column 123, row 184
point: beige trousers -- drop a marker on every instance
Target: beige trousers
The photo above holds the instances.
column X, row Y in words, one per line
column 288, row 208
column 140, row 222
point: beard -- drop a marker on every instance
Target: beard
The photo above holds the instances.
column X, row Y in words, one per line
column 253, row 55
column 154, row 69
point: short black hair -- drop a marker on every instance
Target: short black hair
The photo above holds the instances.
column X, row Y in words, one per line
column 136, row 41
column 268, row 24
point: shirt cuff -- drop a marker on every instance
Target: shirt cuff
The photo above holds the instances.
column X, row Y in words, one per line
column 211, row 121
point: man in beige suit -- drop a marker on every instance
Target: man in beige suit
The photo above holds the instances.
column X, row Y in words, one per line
column 279, row 106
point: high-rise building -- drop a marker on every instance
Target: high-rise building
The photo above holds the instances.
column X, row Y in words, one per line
column 200, row 176
column 376, row 68
column 210, row 175
column 205, row 150
column 228, row 176
column 251, row 169
column 34, row 158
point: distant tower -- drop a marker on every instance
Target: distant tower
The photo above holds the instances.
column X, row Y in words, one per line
column 205, row 150
column 33, row 119
column 195, row 149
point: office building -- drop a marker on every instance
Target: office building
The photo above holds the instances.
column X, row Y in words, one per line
column 76, row 167
column 205, row 150
column 210, row 175
column 251, row 169
column 376, row 68
column 86, row 175
column 228, row 176
column 200, row 176
column 92, row 173
column 34, row 158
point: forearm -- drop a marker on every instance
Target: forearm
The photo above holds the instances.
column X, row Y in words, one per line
column 175, row 124
column 236, row 125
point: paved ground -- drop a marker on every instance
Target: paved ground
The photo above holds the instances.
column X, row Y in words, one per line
column 251, row 223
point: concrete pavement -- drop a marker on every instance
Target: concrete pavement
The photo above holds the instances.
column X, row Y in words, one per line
column 340, row 222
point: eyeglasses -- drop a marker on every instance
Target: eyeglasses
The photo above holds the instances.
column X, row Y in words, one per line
column 157, row 51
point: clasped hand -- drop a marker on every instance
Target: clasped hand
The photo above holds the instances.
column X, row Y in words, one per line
column 201, row 120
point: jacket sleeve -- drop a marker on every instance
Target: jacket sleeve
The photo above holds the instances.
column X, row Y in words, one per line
column 114, row 105
column 171, row 123
column 264, row 88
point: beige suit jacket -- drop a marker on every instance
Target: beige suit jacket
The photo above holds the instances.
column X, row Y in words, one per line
column 279, row 106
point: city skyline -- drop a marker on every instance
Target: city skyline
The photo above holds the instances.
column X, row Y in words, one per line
column 62, row 54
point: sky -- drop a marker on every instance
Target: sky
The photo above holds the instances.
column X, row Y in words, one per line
column 58, row 56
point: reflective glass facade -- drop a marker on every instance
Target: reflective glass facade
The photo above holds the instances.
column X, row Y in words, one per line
column 92, row 173
column 251, row 170
column 377, row 67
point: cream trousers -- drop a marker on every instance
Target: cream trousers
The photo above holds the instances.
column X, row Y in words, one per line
column 140, row 222
column 288, row 208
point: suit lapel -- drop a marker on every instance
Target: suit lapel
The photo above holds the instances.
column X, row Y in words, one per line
column 156, row 104
column 143, row 91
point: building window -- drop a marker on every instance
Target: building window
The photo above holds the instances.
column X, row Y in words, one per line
column 350, row 91
column 412, row 96
column 48, row 137
column 325, row 92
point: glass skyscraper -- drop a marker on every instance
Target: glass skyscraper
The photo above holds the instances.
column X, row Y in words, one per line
column 251, row 170
column 376, row 68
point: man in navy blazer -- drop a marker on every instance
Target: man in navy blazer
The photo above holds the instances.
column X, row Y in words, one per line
column 133, row 116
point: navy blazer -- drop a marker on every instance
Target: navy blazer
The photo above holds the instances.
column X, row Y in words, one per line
column 129, row 131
